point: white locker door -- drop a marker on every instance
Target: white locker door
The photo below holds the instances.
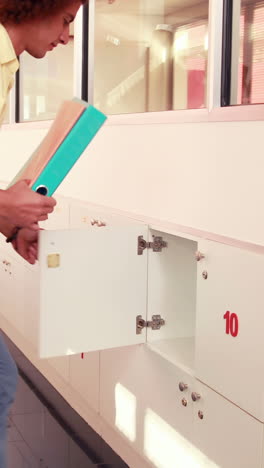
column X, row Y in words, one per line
column 31, row 304
column 93, row 285
column 230, row 323
column 227, row 436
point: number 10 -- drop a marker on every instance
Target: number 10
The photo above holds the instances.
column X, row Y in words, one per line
column 231, row 324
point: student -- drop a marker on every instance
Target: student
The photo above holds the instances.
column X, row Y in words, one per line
column 34, row 26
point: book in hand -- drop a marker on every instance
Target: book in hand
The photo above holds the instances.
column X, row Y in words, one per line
column 73, row 129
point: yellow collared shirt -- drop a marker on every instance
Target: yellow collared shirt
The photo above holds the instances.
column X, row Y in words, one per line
column 8, row 67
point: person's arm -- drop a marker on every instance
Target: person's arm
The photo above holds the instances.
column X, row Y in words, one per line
column 22, row 207
column 26, row 244
column 6, row 228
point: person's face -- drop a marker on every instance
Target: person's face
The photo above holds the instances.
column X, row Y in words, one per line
column 42, row 35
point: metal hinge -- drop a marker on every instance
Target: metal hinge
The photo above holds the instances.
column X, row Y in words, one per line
column 155, row 323
column 156, row 245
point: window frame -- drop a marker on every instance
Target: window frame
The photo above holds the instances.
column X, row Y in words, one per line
column 213, row 112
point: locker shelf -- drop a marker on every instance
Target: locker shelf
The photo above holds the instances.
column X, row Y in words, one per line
column 179, row 351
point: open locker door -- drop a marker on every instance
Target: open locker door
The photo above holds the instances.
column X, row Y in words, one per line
column 93, row 285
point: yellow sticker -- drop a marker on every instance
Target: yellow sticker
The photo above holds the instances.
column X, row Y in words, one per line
column 53, row 260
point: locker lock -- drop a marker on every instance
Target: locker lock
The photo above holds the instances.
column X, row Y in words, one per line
column 183, row 386
column 195, row 396
column 96, row 222
column 199, row 256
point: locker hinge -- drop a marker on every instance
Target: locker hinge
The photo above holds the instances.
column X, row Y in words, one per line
column 155, row 323
column 156, row 245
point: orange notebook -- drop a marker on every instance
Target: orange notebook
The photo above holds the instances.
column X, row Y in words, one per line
column 68, row 114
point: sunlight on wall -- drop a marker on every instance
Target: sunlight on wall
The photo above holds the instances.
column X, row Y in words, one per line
column 206, row 42
column 181, row 41
column 166, row 448
column 70, row 352
column 125, row 403
column 164, row 55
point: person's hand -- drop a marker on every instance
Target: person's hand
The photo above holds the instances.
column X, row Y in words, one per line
column 26, row 244
column 24, row 208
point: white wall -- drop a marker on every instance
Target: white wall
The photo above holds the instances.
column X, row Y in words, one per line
column 208, row 176
column 203, row 175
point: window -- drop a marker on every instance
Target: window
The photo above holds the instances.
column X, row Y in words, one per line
column 248, row 54
column 150, row 56
column 45, row 83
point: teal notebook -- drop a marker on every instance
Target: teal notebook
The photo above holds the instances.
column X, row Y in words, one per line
column 69, row 151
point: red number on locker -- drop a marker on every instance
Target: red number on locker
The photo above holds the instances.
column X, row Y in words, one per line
column 232, row 325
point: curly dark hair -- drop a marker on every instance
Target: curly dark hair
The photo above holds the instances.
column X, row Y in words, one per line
column 21, row 11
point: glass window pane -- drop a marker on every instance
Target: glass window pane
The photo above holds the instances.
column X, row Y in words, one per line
column 150, row 55
column 248, row 66
column 46, row 82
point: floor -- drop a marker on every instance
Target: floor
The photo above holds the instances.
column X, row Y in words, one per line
column 28, row 444
column 37, row 440
column 45, row 432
